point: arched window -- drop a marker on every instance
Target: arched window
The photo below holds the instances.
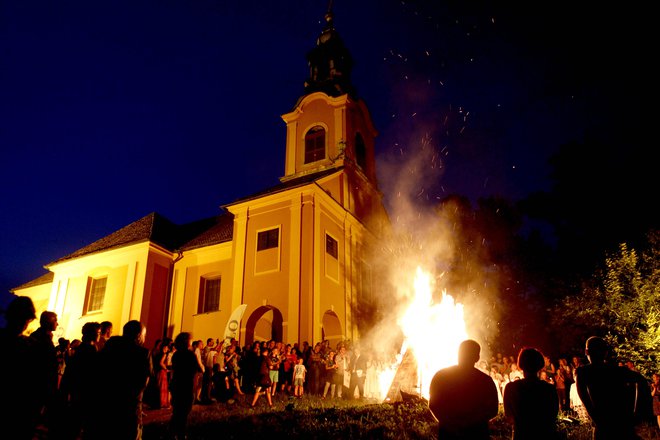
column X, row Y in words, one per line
column 360, row 152
column 315, row 144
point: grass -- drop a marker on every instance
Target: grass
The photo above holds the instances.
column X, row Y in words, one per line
column 314, row 418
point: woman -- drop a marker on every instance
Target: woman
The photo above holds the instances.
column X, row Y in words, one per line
column 531, row 403
column 161, row 374
column 263, row 381
column 329, row 374
column 185, row 368
column 231, row 366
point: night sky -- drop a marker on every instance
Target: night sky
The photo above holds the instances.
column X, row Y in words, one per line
column 110, row 110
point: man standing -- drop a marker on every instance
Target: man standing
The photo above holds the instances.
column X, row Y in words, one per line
column 358, row 367
column 45, row 365
column 126, row 368
column 209, row 355
column 462, row 398
column 610, row 394
column 106, row 333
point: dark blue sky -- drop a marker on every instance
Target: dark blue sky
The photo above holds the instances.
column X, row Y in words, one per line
column 110, row 110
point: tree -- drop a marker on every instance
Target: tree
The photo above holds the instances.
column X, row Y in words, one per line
column 621, row 302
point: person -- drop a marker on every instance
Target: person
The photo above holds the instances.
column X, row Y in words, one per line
column 299, row 372
column 531, row 403
column 17, row 417
column 185, row 367
column 274, row 374
column 462, row 398
column 564, row 379
column 45, row 365
column 341, row 371
column 263, row 380
column 232, row 368
column 125, row 369
column 315, row 363
column 106, row 333
column 197, row 347
column 655, row 393
column 610, row 394
column 79, row 382
column 330, row 367
column 358, row 368
column 209, row 355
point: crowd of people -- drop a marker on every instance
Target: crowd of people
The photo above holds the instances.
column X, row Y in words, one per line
column 59, row 386
column 615, row 398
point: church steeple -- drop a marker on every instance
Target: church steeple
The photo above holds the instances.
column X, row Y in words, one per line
column 330, row 63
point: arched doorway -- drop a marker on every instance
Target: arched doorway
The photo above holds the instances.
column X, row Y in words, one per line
column 331, row 328
column 264, row 324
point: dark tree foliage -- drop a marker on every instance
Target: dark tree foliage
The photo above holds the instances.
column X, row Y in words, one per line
column 620, row 302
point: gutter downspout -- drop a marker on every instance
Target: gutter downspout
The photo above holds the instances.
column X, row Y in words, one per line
column 170, row 294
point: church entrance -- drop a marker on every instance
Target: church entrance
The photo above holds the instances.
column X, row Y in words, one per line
column 331, row 328
column 264, row 324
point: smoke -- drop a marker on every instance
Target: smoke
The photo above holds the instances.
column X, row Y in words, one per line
column 427, row 231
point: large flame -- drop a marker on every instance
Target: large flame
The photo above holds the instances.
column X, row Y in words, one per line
column 433, row 331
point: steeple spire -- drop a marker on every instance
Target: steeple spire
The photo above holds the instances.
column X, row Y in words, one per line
column 330, row 62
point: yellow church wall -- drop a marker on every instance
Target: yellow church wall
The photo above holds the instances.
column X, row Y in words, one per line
column 267, row 272
column 331, row 270
column 306, row 274
column 125, row 271
column 207, row 262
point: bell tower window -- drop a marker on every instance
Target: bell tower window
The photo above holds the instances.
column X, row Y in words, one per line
column 315, row 144
column 360, row 152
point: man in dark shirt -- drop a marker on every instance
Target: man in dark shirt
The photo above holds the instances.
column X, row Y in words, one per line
column 45, row 365
column 462, row 398
column 358, row 369
column 610, row 394
column 125, row 369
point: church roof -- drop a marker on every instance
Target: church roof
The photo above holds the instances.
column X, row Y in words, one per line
column 43, row 279
column 222, row 231
column 152, row 227
column 289, row 184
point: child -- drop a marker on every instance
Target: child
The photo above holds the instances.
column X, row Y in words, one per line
column 299, row 372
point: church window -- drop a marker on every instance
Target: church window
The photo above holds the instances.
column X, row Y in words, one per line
column 315, row 144
column 95, row 294
column 360, row 152
column 268, row 239
column 209, row 295
column 331, row 246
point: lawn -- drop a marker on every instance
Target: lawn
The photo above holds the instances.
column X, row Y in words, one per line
column 314, row 418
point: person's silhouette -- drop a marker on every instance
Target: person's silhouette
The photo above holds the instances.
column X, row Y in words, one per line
column 531, row 403
column 125, row 367
column 610, row 393
column 462, row 398
column 18, row 417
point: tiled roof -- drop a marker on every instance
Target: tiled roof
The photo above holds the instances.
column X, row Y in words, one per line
column 43, row 279
column 221, row 232
column 153, row 227
column 293, row 183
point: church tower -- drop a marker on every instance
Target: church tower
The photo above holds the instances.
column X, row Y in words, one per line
column 330, row 127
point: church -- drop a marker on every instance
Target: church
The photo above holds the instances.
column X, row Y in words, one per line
column 289, row 263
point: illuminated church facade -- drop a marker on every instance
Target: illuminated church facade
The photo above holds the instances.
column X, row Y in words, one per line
column 294, row 256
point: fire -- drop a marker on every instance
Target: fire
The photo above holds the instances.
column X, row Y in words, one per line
column 432, row 331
